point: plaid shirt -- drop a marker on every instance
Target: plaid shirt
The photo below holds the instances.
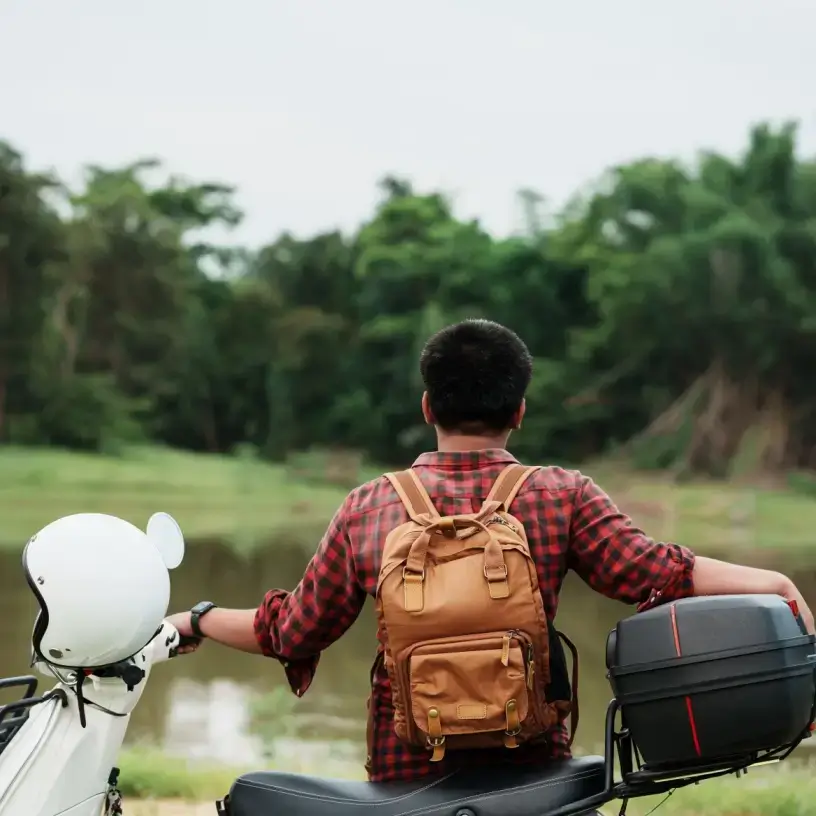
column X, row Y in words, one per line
column 570, row 524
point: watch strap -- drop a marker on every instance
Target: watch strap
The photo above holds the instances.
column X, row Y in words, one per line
column 198, row 612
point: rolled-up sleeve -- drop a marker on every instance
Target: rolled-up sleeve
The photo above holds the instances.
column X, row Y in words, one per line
column 620, row 561
column 295, row 627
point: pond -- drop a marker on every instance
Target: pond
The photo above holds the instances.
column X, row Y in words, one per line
column 230, row 707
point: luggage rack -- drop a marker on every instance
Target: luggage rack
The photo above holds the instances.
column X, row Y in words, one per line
column 638, row 779
column 15, row 714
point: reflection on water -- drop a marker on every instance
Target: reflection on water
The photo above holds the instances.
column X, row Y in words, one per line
column 209, row 721
column 208, row 705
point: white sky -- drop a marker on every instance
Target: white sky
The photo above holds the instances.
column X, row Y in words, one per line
column 305, row 104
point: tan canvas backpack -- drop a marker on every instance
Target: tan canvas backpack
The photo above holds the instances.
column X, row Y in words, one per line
column 467, row 644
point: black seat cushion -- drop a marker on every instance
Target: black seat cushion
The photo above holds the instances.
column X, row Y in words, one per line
column 496, row 791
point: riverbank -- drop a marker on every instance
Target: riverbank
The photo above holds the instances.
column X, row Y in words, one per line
column 217, row 497
column 246, row 501
column 157, row 786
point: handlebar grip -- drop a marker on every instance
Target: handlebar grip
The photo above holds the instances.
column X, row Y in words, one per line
column 184, row 640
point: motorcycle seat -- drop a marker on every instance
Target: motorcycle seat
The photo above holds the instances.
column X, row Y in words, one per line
column 492, row 791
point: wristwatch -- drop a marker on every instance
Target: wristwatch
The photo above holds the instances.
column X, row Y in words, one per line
column 197, row 613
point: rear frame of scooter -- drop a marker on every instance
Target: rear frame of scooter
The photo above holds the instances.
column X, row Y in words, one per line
column 636, row 778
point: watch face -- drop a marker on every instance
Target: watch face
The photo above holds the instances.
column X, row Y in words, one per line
column 202, row 607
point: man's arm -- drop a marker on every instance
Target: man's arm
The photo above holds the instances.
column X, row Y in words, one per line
column 618, row 560
column 232, row 627
column 713, row 577
column 296, row 626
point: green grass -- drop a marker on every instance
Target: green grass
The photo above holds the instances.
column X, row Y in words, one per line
column 147, row 774
column 246, row 500
column 210, row 496
column 782, row 791
column 786, row 790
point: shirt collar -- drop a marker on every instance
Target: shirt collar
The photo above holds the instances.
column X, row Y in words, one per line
column 465, row 460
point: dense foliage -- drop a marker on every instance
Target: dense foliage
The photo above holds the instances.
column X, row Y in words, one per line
column 671, row 309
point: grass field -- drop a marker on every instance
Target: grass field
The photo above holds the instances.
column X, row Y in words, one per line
column 782, row 791
column 147, row 774
column 244, row 499
column 157, row 785
column 167, row 787
column 210, row 496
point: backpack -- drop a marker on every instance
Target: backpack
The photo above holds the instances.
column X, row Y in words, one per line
column 472, row 658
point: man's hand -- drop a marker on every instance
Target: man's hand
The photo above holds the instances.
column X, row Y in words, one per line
column 181, row 620
column 793, row 594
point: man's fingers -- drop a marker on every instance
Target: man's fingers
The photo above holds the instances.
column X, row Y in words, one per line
column 807, row 621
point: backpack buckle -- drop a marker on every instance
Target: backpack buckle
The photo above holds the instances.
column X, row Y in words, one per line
column 497, row 584
column 412, row 587
column 513, row 724
column 493, row 576
column 437, row 746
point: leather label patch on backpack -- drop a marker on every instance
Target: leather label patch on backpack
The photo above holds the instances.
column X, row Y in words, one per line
column 471, row 712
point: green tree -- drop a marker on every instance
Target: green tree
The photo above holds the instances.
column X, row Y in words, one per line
column 671, row 311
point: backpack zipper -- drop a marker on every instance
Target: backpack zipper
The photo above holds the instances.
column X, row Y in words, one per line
column 497, row 519
column 515, row 633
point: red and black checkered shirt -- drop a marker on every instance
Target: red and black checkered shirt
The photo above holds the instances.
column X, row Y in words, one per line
column 570, row 524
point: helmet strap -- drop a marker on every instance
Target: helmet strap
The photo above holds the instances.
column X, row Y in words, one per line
column 81, row 698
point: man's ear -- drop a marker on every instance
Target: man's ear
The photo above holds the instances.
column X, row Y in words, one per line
column 426, row 410
column 519, row 415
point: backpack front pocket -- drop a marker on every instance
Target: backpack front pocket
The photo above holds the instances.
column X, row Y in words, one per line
column 470, row 685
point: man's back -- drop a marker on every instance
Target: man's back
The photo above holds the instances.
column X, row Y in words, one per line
column 559, row 509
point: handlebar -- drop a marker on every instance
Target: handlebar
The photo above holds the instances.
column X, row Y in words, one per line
column 166, row 644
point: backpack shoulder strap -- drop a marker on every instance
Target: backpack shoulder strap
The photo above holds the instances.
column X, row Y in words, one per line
column 508, row 484
column 412, row 494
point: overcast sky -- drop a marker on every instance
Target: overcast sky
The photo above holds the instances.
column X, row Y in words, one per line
column 305, row 104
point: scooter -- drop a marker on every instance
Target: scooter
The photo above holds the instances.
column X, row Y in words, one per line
column 58, row 750
column 58, row 757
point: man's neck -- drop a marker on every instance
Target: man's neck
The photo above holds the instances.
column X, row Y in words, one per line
column 464, row 444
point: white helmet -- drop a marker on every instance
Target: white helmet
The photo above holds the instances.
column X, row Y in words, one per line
column 102, row 585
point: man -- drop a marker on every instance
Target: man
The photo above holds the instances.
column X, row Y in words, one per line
column 476, row 374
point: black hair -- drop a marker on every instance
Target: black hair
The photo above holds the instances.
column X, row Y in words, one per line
column 476, row 374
